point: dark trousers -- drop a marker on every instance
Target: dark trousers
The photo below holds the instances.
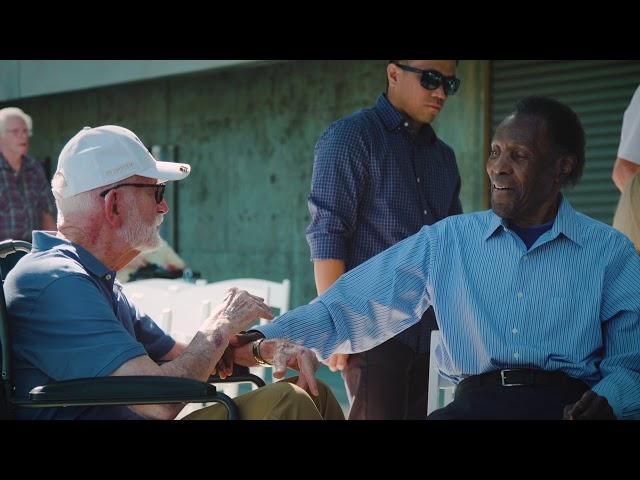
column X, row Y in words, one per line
column 388, row 382
column 526, row 402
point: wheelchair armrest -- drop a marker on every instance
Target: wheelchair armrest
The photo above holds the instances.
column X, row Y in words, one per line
column 126, row 390
column 240, row 374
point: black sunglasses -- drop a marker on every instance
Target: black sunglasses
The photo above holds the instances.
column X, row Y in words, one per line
column 159, row 193
column 432, row 79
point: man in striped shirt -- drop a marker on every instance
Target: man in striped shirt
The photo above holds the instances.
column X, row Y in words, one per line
column 538, row 305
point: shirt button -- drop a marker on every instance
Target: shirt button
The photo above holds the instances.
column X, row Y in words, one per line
column 424, row 211
column 514, row 331
column 525, row 258
column 108, row 276
column 418, row 179
column 406, row 124
column 516, row 355
column 520, row 295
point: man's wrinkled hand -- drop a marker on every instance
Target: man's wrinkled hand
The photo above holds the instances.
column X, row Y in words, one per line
column 591, row 406
column 289, row 355
column 240, row 309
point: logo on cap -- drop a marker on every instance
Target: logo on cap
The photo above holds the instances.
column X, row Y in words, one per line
column 120, row 169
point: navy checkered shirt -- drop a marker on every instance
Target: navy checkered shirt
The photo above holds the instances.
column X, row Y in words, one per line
column 374, row 184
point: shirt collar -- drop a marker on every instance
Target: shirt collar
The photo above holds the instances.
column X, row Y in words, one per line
column 4, row 164
column 566, row 223
column 27, row 163
column 394, row 120
column 43, row 241
column 495, row 222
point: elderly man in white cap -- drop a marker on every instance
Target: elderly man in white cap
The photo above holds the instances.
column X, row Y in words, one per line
column 70, row 318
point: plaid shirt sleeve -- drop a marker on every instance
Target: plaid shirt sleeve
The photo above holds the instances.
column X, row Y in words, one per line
column 338, row 179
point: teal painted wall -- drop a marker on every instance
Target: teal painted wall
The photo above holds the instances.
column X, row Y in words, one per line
column 30, row 78
column 249, row 134
column 464, row 124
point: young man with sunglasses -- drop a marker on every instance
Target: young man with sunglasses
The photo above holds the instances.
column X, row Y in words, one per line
column 379, row 175
column 70, row 319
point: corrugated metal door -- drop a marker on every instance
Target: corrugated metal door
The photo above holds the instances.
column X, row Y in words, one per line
column 599, row 92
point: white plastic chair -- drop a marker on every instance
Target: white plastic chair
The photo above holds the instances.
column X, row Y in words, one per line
column 157, row 298
column 441, row 389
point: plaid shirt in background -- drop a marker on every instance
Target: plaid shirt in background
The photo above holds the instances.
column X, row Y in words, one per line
column 24, row 197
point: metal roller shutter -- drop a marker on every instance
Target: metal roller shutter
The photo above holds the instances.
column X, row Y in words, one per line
column 599, row 92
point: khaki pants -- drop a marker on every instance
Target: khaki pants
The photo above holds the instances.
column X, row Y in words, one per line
column 278, row 401
column 627, row 217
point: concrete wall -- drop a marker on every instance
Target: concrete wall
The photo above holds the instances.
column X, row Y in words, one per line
column 464, row 124
column 30, row 78
column 249, row 135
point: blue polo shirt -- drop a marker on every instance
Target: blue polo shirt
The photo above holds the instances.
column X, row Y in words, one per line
column 70, row 319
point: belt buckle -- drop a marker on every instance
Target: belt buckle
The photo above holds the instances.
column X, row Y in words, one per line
column 504, row 381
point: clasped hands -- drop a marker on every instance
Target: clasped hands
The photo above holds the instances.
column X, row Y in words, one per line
column 238, row 311
column 280, row 353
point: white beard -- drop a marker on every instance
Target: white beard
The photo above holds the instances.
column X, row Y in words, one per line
column 140, row 236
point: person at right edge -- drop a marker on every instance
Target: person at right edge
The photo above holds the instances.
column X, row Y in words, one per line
column 379, row 176
column 628, row 160
column 626, row 171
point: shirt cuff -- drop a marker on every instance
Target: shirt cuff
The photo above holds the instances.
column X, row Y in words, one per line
column 325, row 246
column 272, row 330
column 608, row 390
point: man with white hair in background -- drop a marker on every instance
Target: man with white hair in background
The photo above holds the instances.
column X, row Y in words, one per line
column 27, row 203
column 70, row 319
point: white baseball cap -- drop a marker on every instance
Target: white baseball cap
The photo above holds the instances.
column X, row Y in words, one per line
column 100, row 156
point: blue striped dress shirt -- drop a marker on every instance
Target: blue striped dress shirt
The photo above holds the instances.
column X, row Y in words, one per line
column 570, row 303
column 375, row 184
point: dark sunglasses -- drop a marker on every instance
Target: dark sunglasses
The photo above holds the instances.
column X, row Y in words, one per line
column 432, row 79
column 159, row 193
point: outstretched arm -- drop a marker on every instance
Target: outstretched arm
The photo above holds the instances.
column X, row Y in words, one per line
column 326, row 273
column 367, row 305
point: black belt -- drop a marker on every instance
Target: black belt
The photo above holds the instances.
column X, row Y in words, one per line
column 518, row 377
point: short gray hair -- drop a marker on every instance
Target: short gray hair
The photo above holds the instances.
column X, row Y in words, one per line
column 11, row 112
column 81, row 204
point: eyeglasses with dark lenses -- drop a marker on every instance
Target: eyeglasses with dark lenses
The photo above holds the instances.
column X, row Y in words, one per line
column 159, row 193
column 432, row 79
